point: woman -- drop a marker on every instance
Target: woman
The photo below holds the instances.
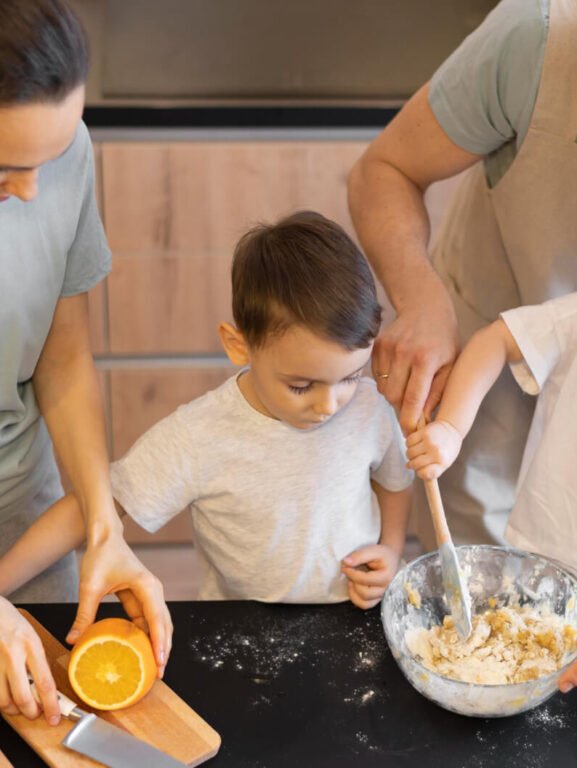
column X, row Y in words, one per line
column 52, row 251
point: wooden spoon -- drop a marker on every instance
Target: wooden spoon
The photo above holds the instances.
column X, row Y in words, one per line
column 453, row 582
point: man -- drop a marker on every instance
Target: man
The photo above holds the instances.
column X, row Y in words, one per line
column 52, row 251
column 504, row 105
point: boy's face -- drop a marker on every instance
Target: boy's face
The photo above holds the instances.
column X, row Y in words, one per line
column 31, row 135
column 301, row 378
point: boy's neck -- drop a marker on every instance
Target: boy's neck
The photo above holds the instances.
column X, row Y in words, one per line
column 245, row 385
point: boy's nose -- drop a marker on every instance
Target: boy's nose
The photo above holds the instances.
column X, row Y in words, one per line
column 327, row 404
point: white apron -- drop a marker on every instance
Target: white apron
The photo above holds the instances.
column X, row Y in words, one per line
column 500, row 248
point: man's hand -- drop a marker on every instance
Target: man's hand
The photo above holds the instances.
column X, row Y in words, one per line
column 21, row 651
column 369, row 571
column 432, row 449
column 111, row 567
column 416, row 353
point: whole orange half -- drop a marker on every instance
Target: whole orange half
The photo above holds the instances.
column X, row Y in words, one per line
column 112, row 665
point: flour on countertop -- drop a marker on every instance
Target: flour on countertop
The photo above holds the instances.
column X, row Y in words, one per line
column 283, row 646
column 543, row 718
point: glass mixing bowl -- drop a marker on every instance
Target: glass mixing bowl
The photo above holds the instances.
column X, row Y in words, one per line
column 507, row 575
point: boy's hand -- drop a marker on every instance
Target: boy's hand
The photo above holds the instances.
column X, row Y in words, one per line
column 432, row 449
column 369, row 571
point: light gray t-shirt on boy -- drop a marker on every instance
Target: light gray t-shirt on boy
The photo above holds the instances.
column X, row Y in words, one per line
column 274, row 508
column 50, row 247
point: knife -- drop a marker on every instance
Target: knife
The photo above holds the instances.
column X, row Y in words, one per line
column 112, row 746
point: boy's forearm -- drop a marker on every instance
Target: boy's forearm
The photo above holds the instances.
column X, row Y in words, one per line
column 395, row 507
column 56, row 533
column 476, row 370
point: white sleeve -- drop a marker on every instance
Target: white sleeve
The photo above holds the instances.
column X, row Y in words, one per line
column 157, row 478
column 543, row 333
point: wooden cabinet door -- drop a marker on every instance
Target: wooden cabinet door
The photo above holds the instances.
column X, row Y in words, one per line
column 173, row 214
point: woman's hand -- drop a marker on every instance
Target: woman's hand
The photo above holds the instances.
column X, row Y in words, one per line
column 369, row 571
column 21, row 652
column 111, row 567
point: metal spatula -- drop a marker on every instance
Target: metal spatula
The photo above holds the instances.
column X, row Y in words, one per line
column 455, row 588
column 453, row 582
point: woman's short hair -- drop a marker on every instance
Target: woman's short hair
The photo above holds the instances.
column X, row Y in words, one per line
column 303, row 270
column 43, row 51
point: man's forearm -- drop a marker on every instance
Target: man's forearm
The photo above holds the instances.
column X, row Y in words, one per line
column 392, row 224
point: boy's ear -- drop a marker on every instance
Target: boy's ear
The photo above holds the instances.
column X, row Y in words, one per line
column 234, row 344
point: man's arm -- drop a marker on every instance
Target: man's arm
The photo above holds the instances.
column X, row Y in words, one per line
column 434, row 448
column 386, row 189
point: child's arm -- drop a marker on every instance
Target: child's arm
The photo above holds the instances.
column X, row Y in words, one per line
column 432, row 449
column 371, row 568
column 56, row 533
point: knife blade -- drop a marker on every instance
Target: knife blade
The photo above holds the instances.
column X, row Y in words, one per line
column 97, row 738
column 108, row 744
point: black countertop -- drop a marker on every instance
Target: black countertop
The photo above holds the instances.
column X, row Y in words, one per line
column 316, row 687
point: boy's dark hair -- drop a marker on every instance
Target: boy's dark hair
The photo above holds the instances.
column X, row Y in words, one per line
column 43, row 51
column 306, row 270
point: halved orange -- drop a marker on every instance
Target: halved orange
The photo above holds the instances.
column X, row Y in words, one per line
column 112, row 664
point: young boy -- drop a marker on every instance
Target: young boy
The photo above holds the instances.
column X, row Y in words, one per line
column 539, row 343
column 294, row 469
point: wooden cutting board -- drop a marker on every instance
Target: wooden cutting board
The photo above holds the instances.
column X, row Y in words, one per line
column 162, row 719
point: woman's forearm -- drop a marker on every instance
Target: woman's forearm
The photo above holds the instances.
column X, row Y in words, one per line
column 69, row 398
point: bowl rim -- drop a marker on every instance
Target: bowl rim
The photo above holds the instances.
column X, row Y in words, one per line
column 514, row 550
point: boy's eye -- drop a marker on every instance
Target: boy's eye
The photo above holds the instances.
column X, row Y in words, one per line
column 353, row 378
column 300, row 390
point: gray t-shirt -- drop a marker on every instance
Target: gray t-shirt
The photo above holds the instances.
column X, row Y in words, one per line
column 484, row 94
column 50, row 247
column 274, row 508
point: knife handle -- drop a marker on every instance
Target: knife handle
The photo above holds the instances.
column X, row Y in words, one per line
column 68, row 708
